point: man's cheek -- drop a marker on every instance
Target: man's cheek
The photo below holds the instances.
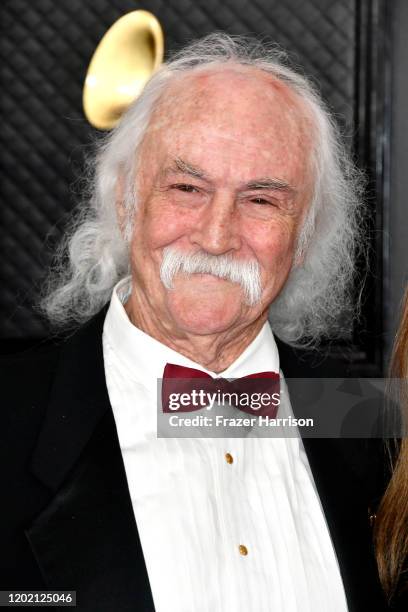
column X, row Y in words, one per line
column 273, row 246
column 168, row 227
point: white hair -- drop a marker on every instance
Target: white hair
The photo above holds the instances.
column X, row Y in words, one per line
column 94, row 255
column 246, row 273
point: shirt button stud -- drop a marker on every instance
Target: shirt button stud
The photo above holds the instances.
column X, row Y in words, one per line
column 243, row 550
column 229, row 458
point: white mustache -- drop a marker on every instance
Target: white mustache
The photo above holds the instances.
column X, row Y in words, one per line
column 244, row 273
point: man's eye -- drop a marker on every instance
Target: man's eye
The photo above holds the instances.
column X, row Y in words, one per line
column 261, row 201
column 185, row 188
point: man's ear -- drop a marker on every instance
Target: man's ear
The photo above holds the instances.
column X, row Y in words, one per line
column 121, row 212
column 299, row 259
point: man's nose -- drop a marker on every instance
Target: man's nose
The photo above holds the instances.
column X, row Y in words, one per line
column 217, row 230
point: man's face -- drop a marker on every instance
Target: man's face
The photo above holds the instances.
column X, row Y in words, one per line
column 223, row 170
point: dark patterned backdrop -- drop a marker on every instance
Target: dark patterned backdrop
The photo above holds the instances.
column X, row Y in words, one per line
column 45, row 50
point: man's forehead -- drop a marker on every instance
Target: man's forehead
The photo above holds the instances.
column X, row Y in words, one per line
column 231, row 128
column 212, row 152
column 227, row 95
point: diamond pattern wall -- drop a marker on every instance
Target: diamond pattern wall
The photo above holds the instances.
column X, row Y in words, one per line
column 45, row 50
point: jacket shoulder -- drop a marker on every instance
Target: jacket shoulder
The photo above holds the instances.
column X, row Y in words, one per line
column 26, row 380
column 309, row 363
column 28, row 375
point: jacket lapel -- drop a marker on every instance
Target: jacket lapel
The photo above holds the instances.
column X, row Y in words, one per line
column 86, row 539
column 346, row 499
column 349, row 478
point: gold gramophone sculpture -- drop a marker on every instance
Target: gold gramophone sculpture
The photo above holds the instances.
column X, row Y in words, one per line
column 128, row 54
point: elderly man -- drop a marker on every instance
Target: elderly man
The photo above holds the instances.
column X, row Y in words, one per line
column 224, row 194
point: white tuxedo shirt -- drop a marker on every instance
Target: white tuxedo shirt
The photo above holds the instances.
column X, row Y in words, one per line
column 196, row 512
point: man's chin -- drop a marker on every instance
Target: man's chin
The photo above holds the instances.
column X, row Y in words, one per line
column 203, row 316
column 204, row 327
column 206, row 288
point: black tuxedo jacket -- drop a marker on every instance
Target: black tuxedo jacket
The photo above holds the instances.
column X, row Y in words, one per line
column 67, row 519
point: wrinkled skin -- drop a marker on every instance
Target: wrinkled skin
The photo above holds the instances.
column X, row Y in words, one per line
column 224, row 167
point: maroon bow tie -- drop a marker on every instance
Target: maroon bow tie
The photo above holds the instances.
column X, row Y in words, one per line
column 187, row 389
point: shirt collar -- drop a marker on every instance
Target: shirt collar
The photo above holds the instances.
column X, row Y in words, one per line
column 145, row 357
